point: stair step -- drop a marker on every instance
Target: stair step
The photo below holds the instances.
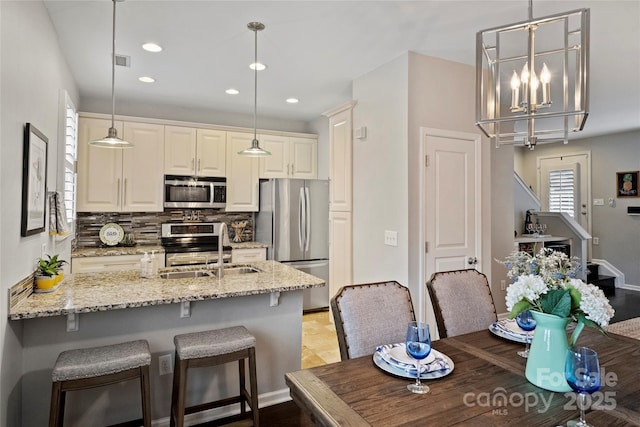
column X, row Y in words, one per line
column 606, row 283
column 593, row 271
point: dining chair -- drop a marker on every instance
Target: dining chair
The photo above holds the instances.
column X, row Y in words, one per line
column 462, row 302
column 371, row 314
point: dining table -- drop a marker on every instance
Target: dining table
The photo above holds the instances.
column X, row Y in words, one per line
column 486, row 386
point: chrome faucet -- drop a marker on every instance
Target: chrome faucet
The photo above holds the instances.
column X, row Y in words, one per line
column 222, row 232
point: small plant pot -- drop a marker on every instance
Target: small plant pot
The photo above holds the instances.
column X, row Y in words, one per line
column 46, row 283
column 59, row 277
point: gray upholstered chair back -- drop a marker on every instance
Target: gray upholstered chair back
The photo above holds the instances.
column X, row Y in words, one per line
column 369, row 315
column 462, row 302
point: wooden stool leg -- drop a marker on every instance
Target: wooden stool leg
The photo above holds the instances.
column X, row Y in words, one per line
column 253, row 380
column 174, row 392
column 56, row 411
column 243, row 406
column 145, row 389
column 183, row 365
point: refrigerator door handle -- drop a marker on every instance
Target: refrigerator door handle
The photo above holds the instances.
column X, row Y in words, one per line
column 307, row 220
column 301, row 218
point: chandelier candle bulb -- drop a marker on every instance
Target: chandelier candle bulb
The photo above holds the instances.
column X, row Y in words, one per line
column 515, row 91
column 545, row 78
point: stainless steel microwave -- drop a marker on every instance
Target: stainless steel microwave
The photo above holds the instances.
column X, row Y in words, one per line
column 194, row 192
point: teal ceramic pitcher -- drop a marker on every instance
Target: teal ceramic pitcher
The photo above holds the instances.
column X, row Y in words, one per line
column 545, row 364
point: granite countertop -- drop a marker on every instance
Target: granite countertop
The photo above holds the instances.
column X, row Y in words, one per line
column 141, row 249
column 91, row 292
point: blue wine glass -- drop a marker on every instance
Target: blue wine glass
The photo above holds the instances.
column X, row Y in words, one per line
column 582, row 372
column 418, row 346
column 527, row 323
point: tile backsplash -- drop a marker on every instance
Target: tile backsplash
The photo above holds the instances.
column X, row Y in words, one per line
column 145, row 226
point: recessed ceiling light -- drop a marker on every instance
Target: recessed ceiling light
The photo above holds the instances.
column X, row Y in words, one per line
column 146, row 79
column 152, row 47
column 232, row 91
column 293, row 100
column 258, row 66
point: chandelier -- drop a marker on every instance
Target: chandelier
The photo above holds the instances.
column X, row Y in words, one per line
column 532, row 79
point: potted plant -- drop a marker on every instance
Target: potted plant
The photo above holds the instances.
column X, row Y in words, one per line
column 49, row 272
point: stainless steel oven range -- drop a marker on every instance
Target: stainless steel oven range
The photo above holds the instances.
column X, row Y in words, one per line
column 192, row 243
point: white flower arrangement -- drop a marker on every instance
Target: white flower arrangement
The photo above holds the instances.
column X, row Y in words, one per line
column 546, row 282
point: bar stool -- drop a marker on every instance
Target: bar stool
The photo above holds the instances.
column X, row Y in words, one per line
column 99, row 366
column 211, row 348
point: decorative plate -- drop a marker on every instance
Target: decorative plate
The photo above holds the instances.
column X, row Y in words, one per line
column 111, row 234
column 383, row 360
column 509, row 330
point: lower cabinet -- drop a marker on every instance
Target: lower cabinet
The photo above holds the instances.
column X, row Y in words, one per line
column 340, row 251
column 248, row 255
column 96, row 264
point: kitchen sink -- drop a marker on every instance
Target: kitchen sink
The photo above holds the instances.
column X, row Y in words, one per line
column 185, row 274
column 238, row 270
column 231, row 271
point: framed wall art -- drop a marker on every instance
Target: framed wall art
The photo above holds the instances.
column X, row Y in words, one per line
column 34, row 181
column 627, row 184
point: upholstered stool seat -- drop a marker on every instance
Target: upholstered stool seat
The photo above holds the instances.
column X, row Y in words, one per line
column 211, row 348
column 98, row 366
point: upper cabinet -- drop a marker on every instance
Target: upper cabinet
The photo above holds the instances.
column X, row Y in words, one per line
column 291, row 157
column 340, row 153
column 194, row 152
column 120, row 179
column 242, row 174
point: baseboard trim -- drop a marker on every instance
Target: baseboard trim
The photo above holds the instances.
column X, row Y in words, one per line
column 630, row 287
column 264, row 400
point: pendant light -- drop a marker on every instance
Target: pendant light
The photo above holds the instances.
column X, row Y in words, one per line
column 112, row 140
column 255, row 150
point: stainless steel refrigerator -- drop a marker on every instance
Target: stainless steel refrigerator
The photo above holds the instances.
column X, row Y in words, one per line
column 293, row 222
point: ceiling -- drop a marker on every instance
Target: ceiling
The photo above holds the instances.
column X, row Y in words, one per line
column 315, row 49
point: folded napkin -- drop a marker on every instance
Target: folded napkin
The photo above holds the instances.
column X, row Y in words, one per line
column 511, row 328
column 437, row 363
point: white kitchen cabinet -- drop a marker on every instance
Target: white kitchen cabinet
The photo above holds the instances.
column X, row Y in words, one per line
column 120, row 179
column 248, row 255
column 291, row 157
column 110, row 263
column 340, row 166
column 340, row 251
column 194, row 152
column 242, row 174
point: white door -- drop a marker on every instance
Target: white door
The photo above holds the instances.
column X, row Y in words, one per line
column 452, row 185
column 563, row 186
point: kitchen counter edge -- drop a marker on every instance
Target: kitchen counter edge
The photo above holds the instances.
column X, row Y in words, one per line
column 93, row 292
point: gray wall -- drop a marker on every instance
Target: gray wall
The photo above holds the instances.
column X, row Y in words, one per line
column 33, row 72
column 618, row 232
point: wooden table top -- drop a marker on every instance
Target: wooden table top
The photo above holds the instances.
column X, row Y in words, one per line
column 486, row 387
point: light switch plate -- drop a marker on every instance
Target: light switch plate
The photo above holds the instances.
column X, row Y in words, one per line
column 598, row 202
column 391, row 238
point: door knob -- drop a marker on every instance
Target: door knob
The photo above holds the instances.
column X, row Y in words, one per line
column 472, row 260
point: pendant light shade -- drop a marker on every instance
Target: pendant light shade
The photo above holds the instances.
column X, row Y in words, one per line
column 255, row 150
column 112, row 140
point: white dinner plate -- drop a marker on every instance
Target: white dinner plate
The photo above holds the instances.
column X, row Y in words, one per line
column 399, row 354
column 393, row 369
column 509, row 330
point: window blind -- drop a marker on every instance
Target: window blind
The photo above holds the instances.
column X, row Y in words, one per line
column 70, row 157
column 562, row 191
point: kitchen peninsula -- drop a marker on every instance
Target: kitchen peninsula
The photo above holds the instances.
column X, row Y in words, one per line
column 91, row 309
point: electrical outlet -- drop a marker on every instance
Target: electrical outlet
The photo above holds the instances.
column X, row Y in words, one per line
column 391, row 238
column 503, row 284
column 596, row 240
column 165, row 366
column 43, row 251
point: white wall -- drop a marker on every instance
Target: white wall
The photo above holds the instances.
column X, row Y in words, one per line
column 380, row 173
column 32, row 72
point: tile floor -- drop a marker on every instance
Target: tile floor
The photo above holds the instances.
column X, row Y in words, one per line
column 319, row 341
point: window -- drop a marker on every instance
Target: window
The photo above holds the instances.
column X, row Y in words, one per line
column 562, row 191
column 70, row 157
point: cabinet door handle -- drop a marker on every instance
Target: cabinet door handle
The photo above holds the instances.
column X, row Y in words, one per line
column 124, row 192
column 118, row 191
column 199, row 165
column 193, row 163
